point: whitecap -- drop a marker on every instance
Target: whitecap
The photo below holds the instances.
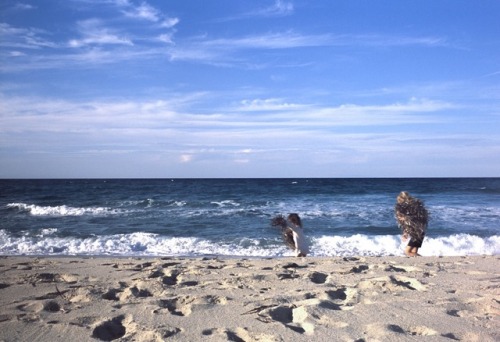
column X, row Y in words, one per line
column 62, row 210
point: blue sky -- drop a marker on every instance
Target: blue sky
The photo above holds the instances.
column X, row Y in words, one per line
column 233, row 88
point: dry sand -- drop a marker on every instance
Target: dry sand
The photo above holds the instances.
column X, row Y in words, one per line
column 213, row 299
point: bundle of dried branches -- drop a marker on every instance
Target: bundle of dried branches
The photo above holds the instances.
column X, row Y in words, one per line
column 411, row 215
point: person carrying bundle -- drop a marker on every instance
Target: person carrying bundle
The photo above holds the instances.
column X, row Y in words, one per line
column 412, row 218
column 292, row 233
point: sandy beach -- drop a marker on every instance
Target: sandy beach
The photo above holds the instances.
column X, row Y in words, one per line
column 284, row 299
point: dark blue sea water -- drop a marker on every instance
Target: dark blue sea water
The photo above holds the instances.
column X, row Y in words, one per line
column 231, row 217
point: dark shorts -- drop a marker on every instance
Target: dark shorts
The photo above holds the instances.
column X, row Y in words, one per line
column 416, row 242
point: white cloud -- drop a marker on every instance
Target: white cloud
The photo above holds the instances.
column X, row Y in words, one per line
column 318, row 136
column 169, row 22
column 280, row 113
column 242, row 161
column 246, row 151
column 271, row 104
column 16, row 54
column 279, row 8
column 94, row 33
column 23, row 7
column 186, row 158
column 291, row 39
column 145, row 11
column 379, row 40
column 257, row 119
column 26, row 38
column 280, row 40
column 233, row 51
column 166, row 38
column 412, row 105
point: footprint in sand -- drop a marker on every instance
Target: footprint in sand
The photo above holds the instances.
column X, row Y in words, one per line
column 171, row 277
column 402, row 269
column 295, row 317
column 318, row 277
column 112, row 294
column 33, row 311
column 43, row 278
column 287, row 275
column 33, row 307
column 382, row 330
column 343, row 296
column 69, row 278
column 135, row 292
column 422, row 331
column 481, row 308
column 185, row 305
column 392, row 283
column 138, row 289
column 5, row 318
column 82, row 295
column 189, row 283
column 156, row 335
column 51, row 306
column 237, row 335
column 360, row 269
column 85, row 321
column 379, row 331
column 179, row 306
column 110, row 330
column 142, row 267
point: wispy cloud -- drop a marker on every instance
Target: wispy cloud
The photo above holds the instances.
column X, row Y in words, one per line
column 34, row 114
column 266, row 105
column 145, row 11
column 23, row 7
column 26, row 38
column 263, row 131
column 231, row 51
column 414, row 111
column 279, row 8
column 99, row 40
column 389, row 40
column 94, row 33
column 280, row 40
column 221, row 50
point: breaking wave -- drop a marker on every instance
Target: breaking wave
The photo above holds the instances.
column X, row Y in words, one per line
column 148, row 244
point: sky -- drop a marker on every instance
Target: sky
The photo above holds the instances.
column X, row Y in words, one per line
column 236, row 88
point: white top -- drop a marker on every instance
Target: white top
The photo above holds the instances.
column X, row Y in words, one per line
column 301, row 246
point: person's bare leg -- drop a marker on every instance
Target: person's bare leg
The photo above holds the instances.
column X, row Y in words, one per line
column 411, row 251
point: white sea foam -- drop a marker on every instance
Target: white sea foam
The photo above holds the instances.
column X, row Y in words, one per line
column 357, row 245
column 461, row 244
column 226, row 203
column 148, row 244
column 179, row 203
column 62, row 210
column 47, row 231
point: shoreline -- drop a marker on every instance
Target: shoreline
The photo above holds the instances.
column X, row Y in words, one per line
column 210, row 298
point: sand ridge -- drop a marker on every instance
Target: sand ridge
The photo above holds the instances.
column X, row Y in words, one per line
column 281, row 299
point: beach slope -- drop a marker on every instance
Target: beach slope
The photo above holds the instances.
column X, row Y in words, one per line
column 282, row 299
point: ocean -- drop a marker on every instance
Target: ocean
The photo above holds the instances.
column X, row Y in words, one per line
column 231, row 217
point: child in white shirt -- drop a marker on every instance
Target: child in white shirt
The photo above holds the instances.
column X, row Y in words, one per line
column 295, row 225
